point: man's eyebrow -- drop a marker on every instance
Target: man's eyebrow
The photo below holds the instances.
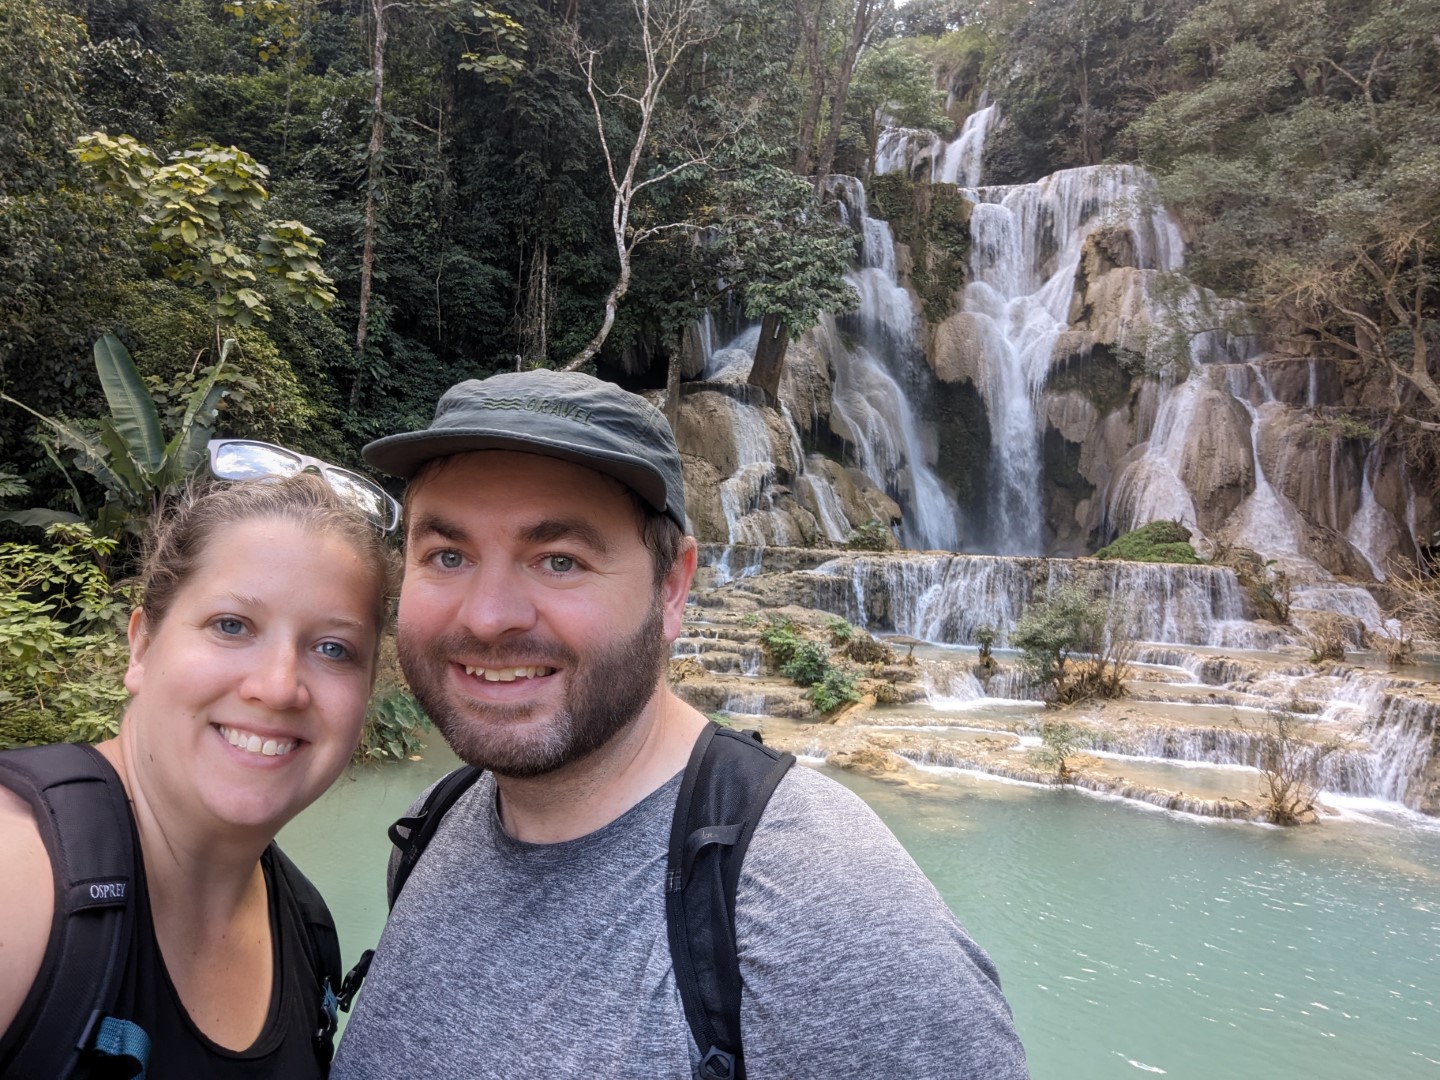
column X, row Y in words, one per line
column 552, row 529
column 434, row 525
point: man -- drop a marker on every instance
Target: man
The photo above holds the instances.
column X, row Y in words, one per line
column 546, row 575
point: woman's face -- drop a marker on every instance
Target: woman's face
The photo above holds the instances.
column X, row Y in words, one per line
column 248, row 699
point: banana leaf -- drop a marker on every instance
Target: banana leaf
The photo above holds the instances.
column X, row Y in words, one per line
column 132, row 409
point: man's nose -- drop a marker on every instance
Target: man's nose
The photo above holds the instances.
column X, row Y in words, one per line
column 496, row 603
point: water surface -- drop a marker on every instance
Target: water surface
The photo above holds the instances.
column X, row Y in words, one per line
column 1131, row 942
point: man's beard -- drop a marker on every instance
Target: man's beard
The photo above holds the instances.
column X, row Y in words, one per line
column 604, row 692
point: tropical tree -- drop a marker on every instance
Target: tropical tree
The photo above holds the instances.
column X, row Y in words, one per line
column 128, row 453
column 1303, row 154
column 192, row 205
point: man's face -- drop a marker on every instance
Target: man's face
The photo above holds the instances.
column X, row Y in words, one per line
column 530, row 626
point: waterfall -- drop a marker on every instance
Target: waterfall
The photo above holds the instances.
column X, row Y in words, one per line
column 1026, row 243
column 945, row 598
column 1402, row 741
column 747, row 495
column 1265, row 513
column 960, row 162
column 907, row 150
column 1373, row 531
column 868, row 399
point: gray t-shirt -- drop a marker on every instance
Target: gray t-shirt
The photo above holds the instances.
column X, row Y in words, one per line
column 504, row 959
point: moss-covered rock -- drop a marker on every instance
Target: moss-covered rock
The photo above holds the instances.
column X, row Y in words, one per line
column 1159, row 541
column 933, row 220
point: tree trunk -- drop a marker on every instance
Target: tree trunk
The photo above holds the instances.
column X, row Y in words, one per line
column 770, row 357
column 811, row 15
column 372, row 184
column 866, row 16
column 672, row 383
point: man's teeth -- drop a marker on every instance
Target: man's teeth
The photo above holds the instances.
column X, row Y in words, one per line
column 254, row 744
column 508, row 674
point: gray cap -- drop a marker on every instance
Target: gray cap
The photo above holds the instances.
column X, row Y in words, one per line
column 560, row 414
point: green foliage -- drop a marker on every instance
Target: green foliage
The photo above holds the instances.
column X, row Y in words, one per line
column 1071, row 75
column 129, row 454
column 1159, row 541
column 781, row 640
column 1344, row 426
column 934, row 221
column 874, row 535
column 39, row 90
column 840, row 630
column 1073, row 645
column 781, row 252
column 62, row 649
column 834, row 689
column 193, row 205
column 1300, row 142
column 895, row 80
column 808, row 663
column 505, row 38
column 393, row 726
column 1059, row 743
column 985, row 637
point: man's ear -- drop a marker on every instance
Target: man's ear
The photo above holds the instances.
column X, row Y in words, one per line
column 139, row 635
column 675, row 589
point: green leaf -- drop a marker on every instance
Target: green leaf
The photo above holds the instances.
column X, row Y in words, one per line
column 131, row 407
column 38, row 518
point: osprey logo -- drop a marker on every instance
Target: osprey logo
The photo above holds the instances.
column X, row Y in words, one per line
column 108, row 892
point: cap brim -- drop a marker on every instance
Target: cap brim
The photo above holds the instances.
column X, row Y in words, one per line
column 403, row 455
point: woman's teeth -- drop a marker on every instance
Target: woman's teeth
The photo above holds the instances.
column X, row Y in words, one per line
column 254, row 744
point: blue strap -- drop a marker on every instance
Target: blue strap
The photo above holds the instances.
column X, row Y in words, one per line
column 122, row 1038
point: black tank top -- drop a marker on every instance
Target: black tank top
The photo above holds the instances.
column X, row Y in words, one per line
column 285, row 1049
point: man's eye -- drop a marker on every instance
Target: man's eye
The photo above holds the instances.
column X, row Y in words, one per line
column 333, row 650
column 229, row 625
column 559, row 564
column 449, row 560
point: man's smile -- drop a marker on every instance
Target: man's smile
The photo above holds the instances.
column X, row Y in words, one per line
column 508, row 674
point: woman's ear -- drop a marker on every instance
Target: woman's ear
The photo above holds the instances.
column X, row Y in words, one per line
column 139, row 635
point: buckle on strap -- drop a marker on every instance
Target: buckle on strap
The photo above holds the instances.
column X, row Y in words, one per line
column 716, row 1065
column 353, row 979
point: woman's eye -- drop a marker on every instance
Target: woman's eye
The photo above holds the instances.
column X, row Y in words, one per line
column 229, row 625
column 333, row 650
column 559, row 564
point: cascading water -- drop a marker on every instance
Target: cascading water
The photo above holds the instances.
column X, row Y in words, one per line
column 1026, row 243
column 908, row 150
column 868, row 398
column 960, row 163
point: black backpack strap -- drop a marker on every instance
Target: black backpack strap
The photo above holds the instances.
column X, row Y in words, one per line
column 322, row 949
column 411, row 835
column 727, row 784
column 84, row 820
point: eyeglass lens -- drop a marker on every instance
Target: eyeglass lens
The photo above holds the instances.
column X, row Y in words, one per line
column 361, row 492
column 253, row 461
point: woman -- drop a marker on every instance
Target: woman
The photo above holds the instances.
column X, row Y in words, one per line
column 252, row 657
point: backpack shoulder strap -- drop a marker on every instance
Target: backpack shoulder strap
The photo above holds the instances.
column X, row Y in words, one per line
column 411, row 836
column 84, row 820
column 322, row 948
column 727, row 784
